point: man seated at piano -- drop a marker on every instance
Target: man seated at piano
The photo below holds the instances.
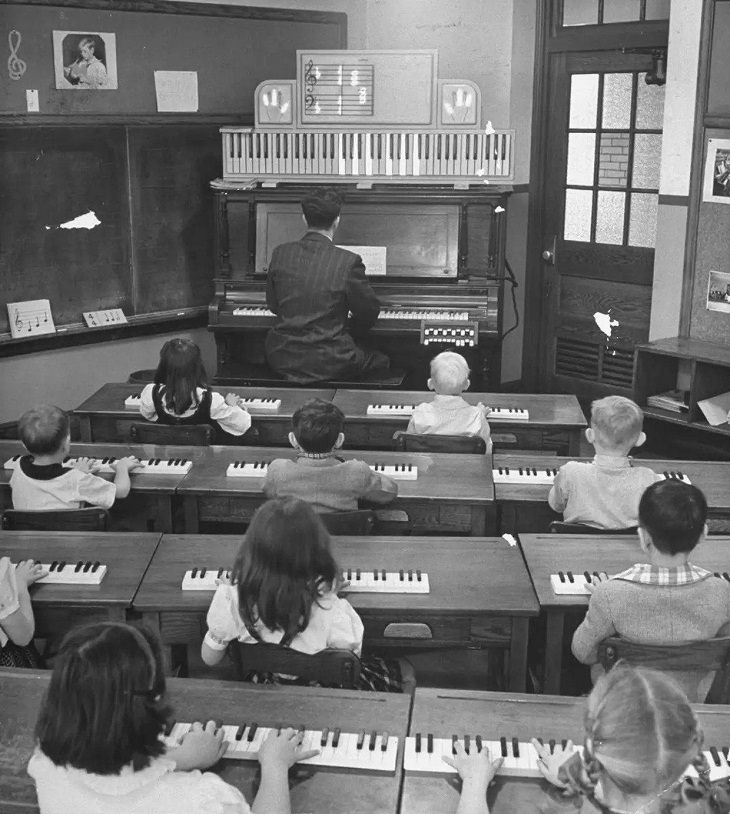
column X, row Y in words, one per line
column 312, row 286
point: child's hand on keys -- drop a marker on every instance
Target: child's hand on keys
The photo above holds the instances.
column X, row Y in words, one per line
column 84, row 464
column 283, row 749
column 200, row 747
column 474, row 766
column 483, row 407
column 595, row 580
column 232, row 400
column 550, row 763
column 340, row 584
column 129, row 462
column 28, row 571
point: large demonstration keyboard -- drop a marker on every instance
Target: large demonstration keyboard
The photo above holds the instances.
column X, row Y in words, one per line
column 425, row 754
column 544, row 476
column 567, row 583
column 495, row 413
column 103, row 466
column 360, row 580
column 133, row 401
column 259, row 469
column 366, row 751
column 82, row 572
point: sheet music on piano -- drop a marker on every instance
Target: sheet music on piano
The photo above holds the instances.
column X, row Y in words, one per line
column 30, row 318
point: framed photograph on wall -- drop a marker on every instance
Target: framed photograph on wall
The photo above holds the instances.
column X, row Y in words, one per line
column 717, row 171
column 718, row 292
column 85, row 60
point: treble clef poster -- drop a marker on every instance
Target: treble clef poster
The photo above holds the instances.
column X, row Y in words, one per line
column 30, row 318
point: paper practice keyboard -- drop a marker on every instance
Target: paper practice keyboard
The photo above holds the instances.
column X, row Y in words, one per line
column 82, row 572
column 258, row 469
column 544, row 476
column 364, row 751
column 149, row 466
column 425, row 753
column 375, row 581
column 566, row 583
column 495, row 414
column 133, row 401
column 252, row 311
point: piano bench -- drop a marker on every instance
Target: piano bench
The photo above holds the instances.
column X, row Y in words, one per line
column 254, row 375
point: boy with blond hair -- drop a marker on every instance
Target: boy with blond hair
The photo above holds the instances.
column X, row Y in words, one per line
column 605, row 493
column 448, row 413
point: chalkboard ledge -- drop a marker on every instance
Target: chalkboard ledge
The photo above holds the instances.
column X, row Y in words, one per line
column 74, row 334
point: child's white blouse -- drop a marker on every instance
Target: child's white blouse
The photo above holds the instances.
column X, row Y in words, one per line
column 231, row 419
column 333, row 622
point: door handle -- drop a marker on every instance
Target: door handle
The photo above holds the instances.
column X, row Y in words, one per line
column 548, row 254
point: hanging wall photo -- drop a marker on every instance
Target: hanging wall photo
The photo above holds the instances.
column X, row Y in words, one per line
column 85, row 60
column 717, row 171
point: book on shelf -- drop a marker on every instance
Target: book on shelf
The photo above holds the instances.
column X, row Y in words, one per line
column 676, row 401
column 716, row 409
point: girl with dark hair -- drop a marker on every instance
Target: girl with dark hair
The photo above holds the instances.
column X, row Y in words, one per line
column 180, row 393
column 284, row 591
column 101, row 746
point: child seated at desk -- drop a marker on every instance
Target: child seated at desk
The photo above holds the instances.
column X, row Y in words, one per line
column 41, row 483
column 100, row 738
column 284, row 591
column 448, row 413
column 180, row 393
column 17, row 624
column 665, row 599
column 327, row 482
column 605, row 493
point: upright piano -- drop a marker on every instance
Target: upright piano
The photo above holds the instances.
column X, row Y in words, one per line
column 430, row 191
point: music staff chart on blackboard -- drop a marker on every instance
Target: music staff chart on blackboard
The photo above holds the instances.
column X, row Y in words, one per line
column 338, row 90
column 30, row 318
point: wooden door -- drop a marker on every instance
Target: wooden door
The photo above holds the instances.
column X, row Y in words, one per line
column 603, row 138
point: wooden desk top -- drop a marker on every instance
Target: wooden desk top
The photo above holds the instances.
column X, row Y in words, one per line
column 494, row 715
column 109, row 399
column 125, row 555
column 480, row 576
column 545, row 409
column 546, row 554
column 455, row 478
column 140, row 483
column 312, row 790
column 712, row 477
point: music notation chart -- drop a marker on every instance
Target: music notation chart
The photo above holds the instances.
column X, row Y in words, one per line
column 100, row 319
column 30, row 318
column 338, row 90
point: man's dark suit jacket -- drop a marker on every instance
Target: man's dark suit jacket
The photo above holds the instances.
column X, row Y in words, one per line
column 311, row 286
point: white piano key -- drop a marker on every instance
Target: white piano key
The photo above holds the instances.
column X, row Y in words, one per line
column 388, row 152
column 341, row 165
column 417, row 154
column 355, row 166
column 401, row 147
column 369, row 142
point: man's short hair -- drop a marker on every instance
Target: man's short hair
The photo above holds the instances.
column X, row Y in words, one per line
column 617, row 421
column 674, row 515
column 317, row 424
column 321, row 206
column 450, row 372
column 43, row 429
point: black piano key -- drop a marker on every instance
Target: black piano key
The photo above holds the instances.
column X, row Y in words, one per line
column 239, row 732
column 478, row 742
column 382, row 574
column 726, row 752
column 564, row 742
column 410, row 576
column 323, row 739
column 571, row 578
column 336, row 738
column 95, row 566
column 418, row 575
column 203, row 572
column 87, row 567
column 466, row 743
column 220, row 573
column 587, row 576
column 61, row 565
column 418, row 742
column 252, row 732
column 360, row 739
column 715, row 756
column 169, row 726
column 515, row 747
column 551, row 743
column 194, row 573
column 503, row 746
column 373, row 740
column 562, row 576
column 401, row 575
column 454, row 741
column 79, row 565
column 53, row 565
column 357, row 573
column 429, row 743
column 375, row 574
column 384, row 742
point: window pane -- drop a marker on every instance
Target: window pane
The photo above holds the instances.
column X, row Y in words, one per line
column 578, row 208
column 617, row 100
column 620, row 11
column 647, row 155
column 613, row 162
column 610, row 217
column 583, row 100
column 642, row 221
column 657, row 9
column 649, row 105
column 581, row 158
column 580, row 12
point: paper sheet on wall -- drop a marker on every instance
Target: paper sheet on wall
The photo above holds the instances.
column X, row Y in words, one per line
column 177, row 91
column 372, row 256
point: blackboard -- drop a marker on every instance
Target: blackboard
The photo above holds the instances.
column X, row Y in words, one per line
column 145, row 175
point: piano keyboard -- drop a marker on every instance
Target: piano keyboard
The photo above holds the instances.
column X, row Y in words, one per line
column 473, row 155
column 252, row 311
column 362, row 751
column 150, row 466
column 425, row 753
column 495, row 413
column 524, row 475
column 379, row 581
column 427, row 314
column 83, row 572
column 391, row 409
column 566, row 583
column 133, row 401
column 204, row 579
column 258, row 469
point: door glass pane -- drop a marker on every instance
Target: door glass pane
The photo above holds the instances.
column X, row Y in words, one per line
column 578, row 207
column 649, row 105
column 610, row 217
column 620, row 11
column 581, row 158
column 647, row 155
column 657, row 9
column 617, row 100
column 580, row 12
column 613, row 162
column 583, row 100
column 642, row 221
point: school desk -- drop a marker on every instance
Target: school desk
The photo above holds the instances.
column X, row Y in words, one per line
column 524, row 508
column 152, row 496
column 453, row 493
column 480, row 593
column 312, row 789
column 58, row 608
column 444, row 713
column 555, row 422
column 547, row 554
column 103, row 417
